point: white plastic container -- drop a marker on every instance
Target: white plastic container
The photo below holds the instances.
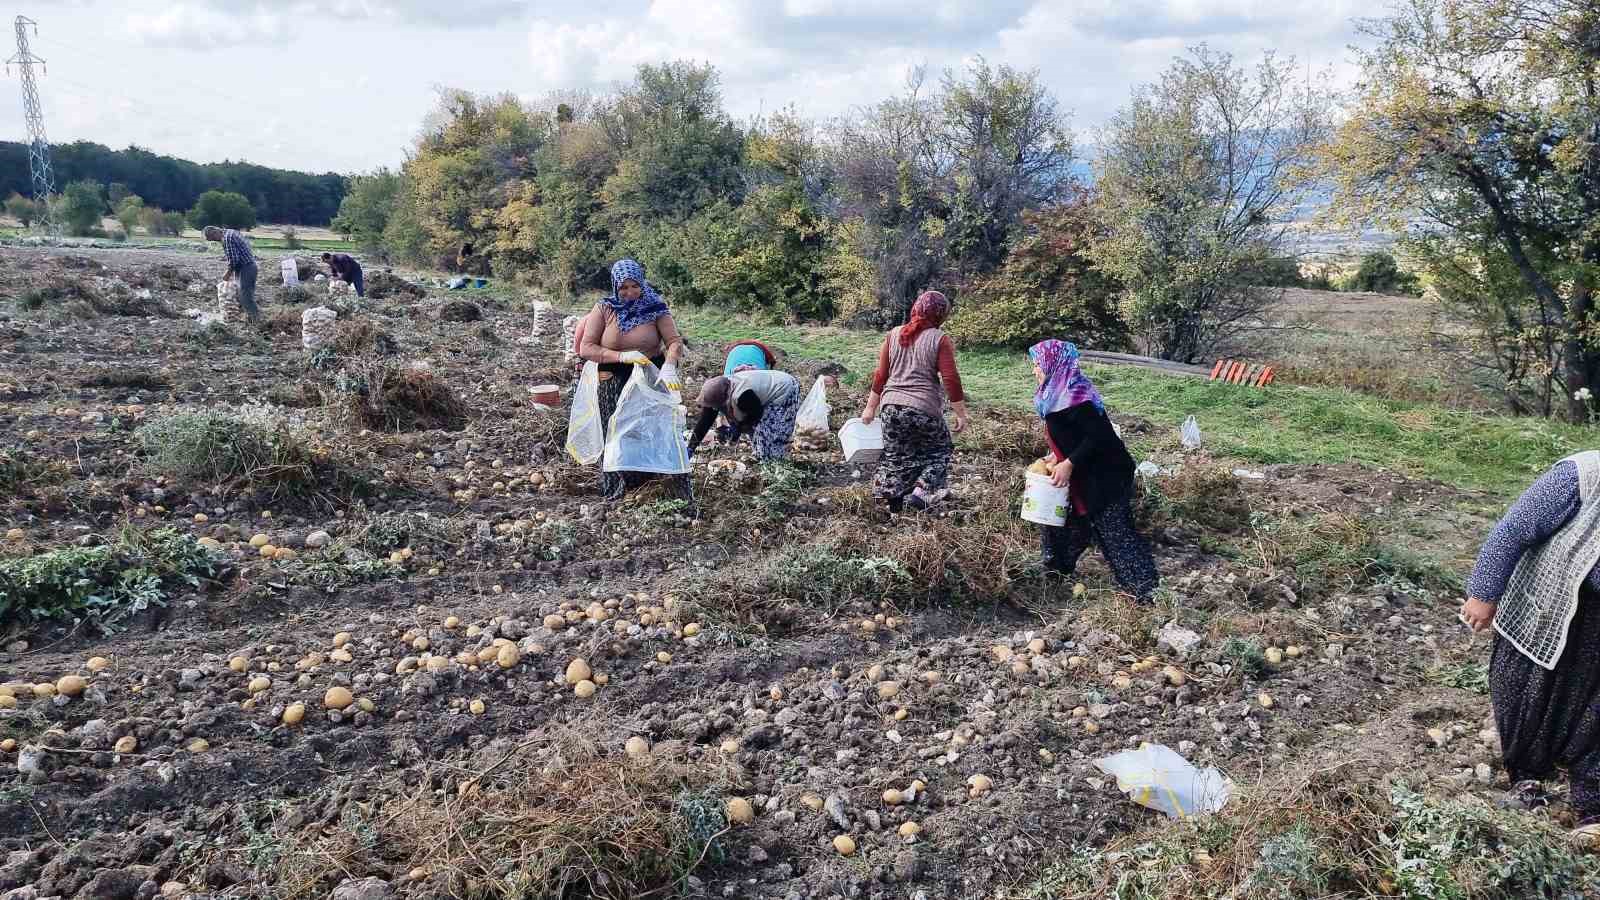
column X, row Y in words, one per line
column 861, row 442
column 1042, row 502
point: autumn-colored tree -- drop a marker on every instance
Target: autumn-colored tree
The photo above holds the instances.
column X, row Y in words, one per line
column 1196, row 183
column 1483, row 117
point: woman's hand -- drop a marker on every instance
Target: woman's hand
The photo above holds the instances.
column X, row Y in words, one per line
column 1478, row 614
column 870, row 411
column 962, row 419
column 1061, row 473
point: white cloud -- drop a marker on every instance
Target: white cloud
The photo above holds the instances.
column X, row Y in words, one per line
column 226, row 23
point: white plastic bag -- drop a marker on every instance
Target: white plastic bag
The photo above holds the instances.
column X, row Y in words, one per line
column 290, row 269
column 316, row 327
column 646, row 432
column 1190, row 433
column 813, row 415
column 1157, row 777
column 585, row 435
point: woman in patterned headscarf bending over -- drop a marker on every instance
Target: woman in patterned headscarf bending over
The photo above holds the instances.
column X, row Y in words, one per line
column 1538, row 586
column 1092, row 463
column 624, row 331
column 916, row 371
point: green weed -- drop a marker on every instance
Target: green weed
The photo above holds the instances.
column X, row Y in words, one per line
column 252, row 444
column 106, row 585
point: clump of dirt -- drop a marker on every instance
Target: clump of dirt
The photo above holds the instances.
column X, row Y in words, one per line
column 386, row 285
column 458, row 311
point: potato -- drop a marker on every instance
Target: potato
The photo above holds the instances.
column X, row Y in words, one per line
column 71, row 685
column 9, row 745
column 1266, row 701
column 508, row 656
column 259, row 683
column 663, row 657
column 1039, row 467
column 97, row 664
column 1274, row 655
column 1175, row 676
column 636, row 746
column 421, row 644
column 7, row 701
column 268, row 551
column 730, row 746
column 260, row 540
column 554, row 622
column 366, row 705
column 584, row 689
column 909, row 829
column 238, row 664
column 892, row 797
column 488, row 654
column 338, row 698
column 44, row 690
column 341, row 655
column 1001, row 653
column 691, row 629
column 199, row 745
column 294, row 714
column 1036, row 646
column 888, row 689
column 845, row 844
column 740, row 812
column 578, row 670
column 126, row 744
column 438, row 663
column 875, row 673
column 452, row 622
column 340, row 639
column 477, row 707
column 978, row 785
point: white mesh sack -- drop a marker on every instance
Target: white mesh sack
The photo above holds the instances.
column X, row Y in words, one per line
column 227, row 299
column 316, row 328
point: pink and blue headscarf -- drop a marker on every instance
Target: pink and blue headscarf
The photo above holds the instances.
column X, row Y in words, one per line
column 1064, row 385
column 648, row 308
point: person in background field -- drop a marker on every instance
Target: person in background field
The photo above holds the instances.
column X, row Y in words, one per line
column 345, row 267
column 758, row 402
column 1092, row 463
column 1536, row 583
column 744, row 355
column 625, row 330
column 241, row 266
column 916, row 371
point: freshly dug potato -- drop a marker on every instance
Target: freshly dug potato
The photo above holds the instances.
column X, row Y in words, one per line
column 338, row 698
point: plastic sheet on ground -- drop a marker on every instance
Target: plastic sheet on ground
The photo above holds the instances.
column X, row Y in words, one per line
column 1155, row 776
column 1147, row 469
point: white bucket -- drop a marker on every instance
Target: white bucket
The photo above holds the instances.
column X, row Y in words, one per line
column 1042, row 502
column 861, row 442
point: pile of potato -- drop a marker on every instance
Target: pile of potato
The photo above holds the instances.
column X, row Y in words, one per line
column 1039, row 467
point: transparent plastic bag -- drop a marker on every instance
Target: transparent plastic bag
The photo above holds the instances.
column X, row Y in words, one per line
column 585, row 436
column 1157, row 777
column 646, row 431
column 813, row 415
column 1189, row 434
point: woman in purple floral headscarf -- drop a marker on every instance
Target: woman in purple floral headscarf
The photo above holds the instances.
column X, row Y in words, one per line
column 1090, row 460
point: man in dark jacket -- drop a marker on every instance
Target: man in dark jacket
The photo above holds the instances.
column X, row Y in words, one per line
column 346, row 268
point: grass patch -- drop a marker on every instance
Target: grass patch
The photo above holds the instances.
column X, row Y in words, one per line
column 102, row 586
column 1328, row 836
column 251, row 444
column 1467, row 676
column 387, row 397
column 532, row 827
column 1283, row 424
column 20, row 468
column 387, row 532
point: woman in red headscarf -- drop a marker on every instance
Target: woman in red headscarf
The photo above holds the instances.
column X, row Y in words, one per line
column 916, row 371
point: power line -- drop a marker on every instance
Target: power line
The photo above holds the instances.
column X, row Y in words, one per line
column 33, row 113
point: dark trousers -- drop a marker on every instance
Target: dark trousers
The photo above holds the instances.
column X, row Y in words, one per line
column 247, row 290
column 359, row 283
column 1125, row 549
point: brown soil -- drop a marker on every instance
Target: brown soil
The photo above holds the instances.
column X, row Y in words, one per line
column 774, row 700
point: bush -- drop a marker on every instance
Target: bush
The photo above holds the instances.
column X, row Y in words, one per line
column 381, row 395
column 22, row 209
column 252, row 444
column 159, row 223
column 223, row 208
column 130, row 212
column 291, row 239
column 1275, row 271
column 82, row 206
column 1046, row 288
column 103, row 586
column 1380, row 273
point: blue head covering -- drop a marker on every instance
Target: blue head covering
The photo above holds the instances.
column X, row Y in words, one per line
column 648, row 308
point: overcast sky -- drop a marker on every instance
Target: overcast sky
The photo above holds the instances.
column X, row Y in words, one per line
column 342, row 85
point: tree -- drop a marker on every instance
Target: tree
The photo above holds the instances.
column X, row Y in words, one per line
column 130, row 212
column 1484, row 117
column 22, row 209
column 82, row 207
column 365, row 211
column 1196, row 182
column 159, row 223
column 223, row 208
column 1380, row 273
column 1047, row 287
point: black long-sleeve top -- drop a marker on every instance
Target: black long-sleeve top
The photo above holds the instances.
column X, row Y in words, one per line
column 1102, row 467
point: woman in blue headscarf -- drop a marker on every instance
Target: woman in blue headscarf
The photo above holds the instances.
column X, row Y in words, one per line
column 625, row 330
column 1089, row 459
